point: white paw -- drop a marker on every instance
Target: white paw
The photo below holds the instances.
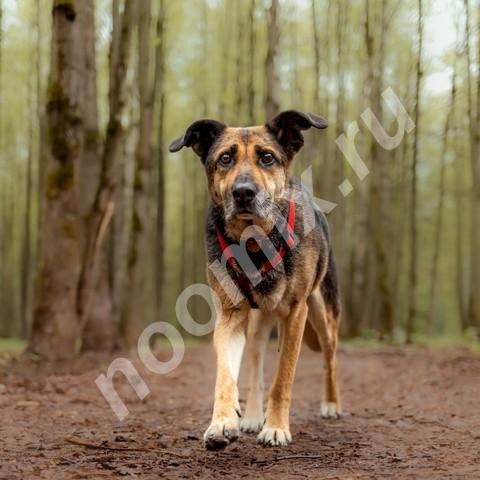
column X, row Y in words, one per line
column 220, row 433
column 274, row 437
column 252, row 424
column 330, row 410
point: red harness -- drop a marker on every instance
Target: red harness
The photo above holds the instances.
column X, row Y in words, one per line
column 289, row 243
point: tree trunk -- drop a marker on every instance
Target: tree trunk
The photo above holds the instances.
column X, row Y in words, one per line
column 459, row 237
column 272, row 99
column 412, row 287
column 159, row 79
column 98, row 331
column 226, row 37
column 377, row 175
column 138, row 258
column 27, row 233
column 441, row 202
column 55, row 328
column 94, row 275
column 239, row 63
column 316, row 63
column 251, row 64
column 474, row 131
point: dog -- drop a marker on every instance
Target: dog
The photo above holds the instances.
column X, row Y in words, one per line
column 265, row 267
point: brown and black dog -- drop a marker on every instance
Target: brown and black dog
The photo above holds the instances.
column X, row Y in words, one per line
column 274, row 249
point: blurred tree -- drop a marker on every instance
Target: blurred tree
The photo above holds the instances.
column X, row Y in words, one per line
column 138, row 260
column 473, row 112
column 375, row 32
column 412, row 292
column 159, row 81
column 94, row 293
column 272, row 101
column 441, row 207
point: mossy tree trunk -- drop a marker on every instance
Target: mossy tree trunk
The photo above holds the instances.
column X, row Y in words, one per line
column 56, row 328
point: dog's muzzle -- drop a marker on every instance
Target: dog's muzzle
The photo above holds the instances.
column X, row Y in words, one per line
column 244, row 194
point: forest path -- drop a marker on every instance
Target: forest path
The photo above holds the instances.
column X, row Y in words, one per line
column 409, row 414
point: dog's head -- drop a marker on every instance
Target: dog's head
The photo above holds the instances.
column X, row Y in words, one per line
column 248, row 168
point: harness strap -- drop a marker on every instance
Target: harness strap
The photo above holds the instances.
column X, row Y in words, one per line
column 243, row 280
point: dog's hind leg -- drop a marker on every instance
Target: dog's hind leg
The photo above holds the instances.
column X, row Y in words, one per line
column 258, row 333
column 325, row 322
column 229, row 341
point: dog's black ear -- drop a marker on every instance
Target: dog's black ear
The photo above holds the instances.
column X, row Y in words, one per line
column 287, row 128
column 200, row 135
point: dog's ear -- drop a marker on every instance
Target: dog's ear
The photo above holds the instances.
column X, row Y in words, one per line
column 200, row 135
column 287, row 128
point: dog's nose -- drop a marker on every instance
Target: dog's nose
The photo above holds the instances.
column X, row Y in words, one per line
column 244, row 192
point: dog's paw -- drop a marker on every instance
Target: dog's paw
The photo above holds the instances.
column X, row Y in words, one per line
column 252, row 424
column 221, row 433
column 330, row 410
column 274, row 437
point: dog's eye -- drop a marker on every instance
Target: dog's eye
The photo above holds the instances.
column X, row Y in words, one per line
column 267, row 159
column 226, row 160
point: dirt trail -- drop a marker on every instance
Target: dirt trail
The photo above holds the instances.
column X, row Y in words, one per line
column 410, row 414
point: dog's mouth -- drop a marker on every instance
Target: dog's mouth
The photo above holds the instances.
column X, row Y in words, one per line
column 246, row 212
column 245, row 215
column 257, row 210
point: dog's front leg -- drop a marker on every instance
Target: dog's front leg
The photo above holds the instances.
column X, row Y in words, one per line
column 276, row 430
column 259, row 329
column 229, row 341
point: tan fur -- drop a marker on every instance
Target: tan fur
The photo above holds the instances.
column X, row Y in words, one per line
column 272, row 181
column 291, row 306
column 259, row 328
column 326, row 327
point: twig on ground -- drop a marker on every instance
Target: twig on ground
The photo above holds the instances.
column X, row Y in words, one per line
column 287, row 457
column 86, row 444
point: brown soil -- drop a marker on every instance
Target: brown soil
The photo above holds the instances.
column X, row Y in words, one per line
column 410, row 414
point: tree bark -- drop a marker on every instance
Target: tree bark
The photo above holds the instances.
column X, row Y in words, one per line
column 225, row 34
column 474, row 132
column 159, row 78
column 55, row 328
column 272, row 99
column 239, row 64
column 27, row 231
column 94, row 274
column 99, row 329
column 251, row 63
column 412, row 287
column 138, row 259
column 440, row 211
column 377, row 176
